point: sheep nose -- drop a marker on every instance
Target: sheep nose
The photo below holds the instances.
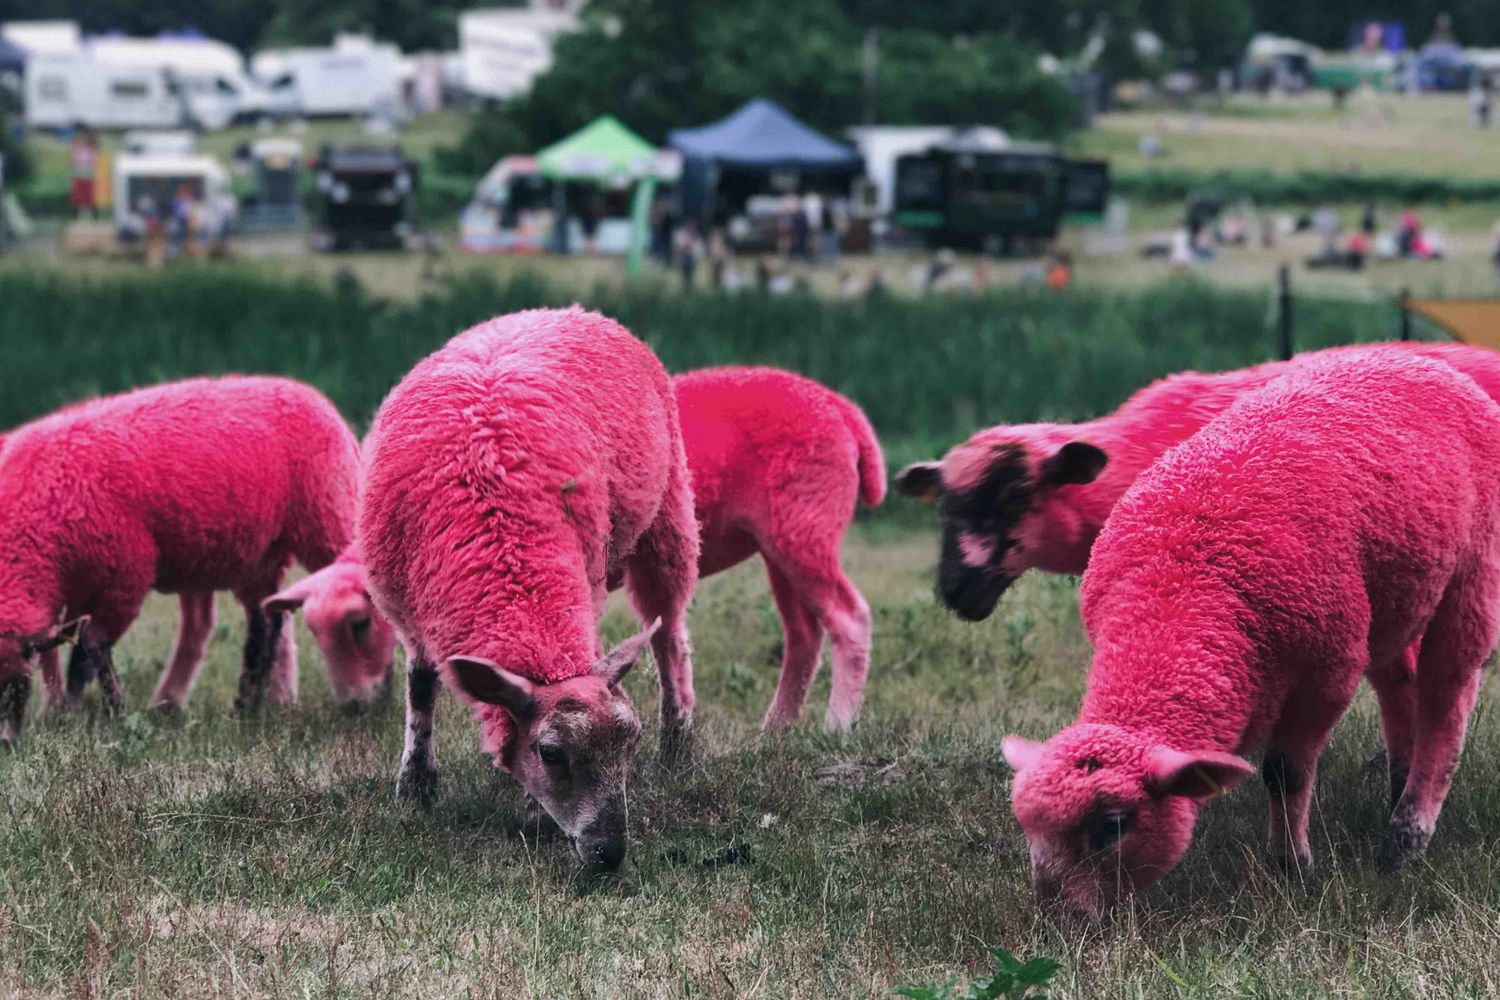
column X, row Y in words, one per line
column 607, row 854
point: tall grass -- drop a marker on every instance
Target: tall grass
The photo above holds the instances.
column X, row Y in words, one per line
column 927, row 371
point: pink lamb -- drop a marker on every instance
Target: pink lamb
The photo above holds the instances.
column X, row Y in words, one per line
column 358, row 644
column 507, row 477
column 1035, row 496
column 1238, row 593
column 777, row 463
column 185, row 488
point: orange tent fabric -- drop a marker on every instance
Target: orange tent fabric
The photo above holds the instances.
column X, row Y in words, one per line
column 1473, row 321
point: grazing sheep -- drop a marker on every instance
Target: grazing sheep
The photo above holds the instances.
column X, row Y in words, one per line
column 357, row 642
column 185, row 488
column 778, row 463
column 1035, row 496
column 507, row 477
column 1238, row 593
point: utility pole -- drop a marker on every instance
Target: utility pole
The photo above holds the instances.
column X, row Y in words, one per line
column 870, row 61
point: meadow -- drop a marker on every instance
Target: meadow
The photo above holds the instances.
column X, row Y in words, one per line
column 209, row 855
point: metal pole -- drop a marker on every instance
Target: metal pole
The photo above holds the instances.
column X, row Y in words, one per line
column 1284, row 311
column 1403, row 303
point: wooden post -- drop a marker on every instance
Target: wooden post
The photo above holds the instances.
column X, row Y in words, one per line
column 1403, row 303
column 1284, row 311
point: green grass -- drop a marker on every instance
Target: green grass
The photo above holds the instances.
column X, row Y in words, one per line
column 927, row 371
column 209, row 855
column 212, row 856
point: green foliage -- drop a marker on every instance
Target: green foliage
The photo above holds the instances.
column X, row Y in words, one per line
column 1013, row 979
column 1303, row 187
column 662, row 64
column 928, row 371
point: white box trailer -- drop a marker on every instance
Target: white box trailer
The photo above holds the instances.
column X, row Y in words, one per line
column 355, row 77
column 68, row 91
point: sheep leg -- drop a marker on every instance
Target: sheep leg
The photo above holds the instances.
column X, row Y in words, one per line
column 802, row 648
column 101, row 654
column 842, row 613
column 52, row 679
column 660, row 576
column 194, row 631
column 1458, row 640
column 1290, row 770
column 80, row 673
column 283, row 679
column 418, row 778
column 262, row 634
column 15, row 692
column 1397, row 695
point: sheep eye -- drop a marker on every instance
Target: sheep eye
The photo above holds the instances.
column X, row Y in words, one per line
column 1109, row 829
column 552, row 755
column 360, row 627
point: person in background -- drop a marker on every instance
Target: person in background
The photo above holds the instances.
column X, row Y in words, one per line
column 802, row 228
column 718, row 257
column 828, row 230
column 1495, row 254
column 661, row 230
column 1408, row 232
column 1060, row 272
column 1369, row 221
column 83, row 155
column 184, row 222
column 689, row 249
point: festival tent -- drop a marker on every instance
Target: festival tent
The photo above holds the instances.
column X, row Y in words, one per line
column 603, row 152
column 759, row 138
column 12, row 57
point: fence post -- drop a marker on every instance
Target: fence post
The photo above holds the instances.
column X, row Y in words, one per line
column 1284, row 311
column 1404, row 303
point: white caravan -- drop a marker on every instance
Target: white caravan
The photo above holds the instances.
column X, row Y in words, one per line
column 68, row 91
column 504, row 50
column 357, row 76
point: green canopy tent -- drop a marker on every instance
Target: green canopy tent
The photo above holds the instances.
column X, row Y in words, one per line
column 606, row 152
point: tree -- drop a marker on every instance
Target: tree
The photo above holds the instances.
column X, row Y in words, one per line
column 660, row 64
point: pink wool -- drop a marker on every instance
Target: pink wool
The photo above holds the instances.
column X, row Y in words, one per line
column 186, row 488
column 357, row 642
column 1035, row 496
column 507, row 478
column 1239, row 592
column 778, row 464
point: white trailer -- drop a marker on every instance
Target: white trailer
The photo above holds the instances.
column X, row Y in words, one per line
column 67, row 91
column 357, row 76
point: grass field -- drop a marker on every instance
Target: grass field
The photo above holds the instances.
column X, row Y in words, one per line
column 209, row 856
column 1424, row 136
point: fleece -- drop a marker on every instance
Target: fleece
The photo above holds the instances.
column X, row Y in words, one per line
column 1240, row 590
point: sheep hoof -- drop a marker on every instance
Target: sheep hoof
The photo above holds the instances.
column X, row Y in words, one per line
column 1404, row 841
column 417, row 784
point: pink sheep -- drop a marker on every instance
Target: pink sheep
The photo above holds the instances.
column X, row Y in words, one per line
column 185, row 488
column 507, row 477
column 1035, row 496
column 358, row 644
column 778, row 463
column 1238, row 593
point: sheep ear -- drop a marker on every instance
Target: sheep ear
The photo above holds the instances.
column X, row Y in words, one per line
column 615, row 664
column 1198, row 775
column 1020, row 753
column 291, row 598
column 491, row 684
column 1076, row 463
column 922, row 481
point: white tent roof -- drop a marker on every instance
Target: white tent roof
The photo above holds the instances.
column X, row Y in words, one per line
column 187, row 56
column 43, row 38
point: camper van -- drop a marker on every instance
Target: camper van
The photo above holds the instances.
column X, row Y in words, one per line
column 66, row 91
column 357, row 76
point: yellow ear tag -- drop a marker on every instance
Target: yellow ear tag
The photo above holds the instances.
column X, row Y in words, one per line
column 1210, row 782
column 930, row 497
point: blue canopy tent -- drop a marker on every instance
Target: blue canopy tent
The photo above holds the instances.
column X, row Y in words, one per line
column 759, row 138
column 12, row 57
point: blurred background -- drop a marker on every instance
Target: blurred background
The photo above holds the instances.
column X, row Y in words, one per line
column 831, row 145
